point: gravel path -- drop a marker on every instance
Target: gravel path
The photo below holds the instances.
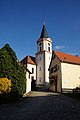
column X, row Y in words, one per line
column 42, row 106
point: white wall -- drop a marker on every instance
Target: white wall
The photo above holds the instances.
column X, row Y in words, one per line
column 44, row 64
column 47, row 63
column 29, row 67
column 28, row 83
column 29, row 76
column 70, row 75
column 45, row 55
column 40, row 63
column 45, row 44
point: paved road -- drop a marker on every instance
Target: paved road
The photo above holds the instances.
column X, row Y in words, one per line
column 42, row 106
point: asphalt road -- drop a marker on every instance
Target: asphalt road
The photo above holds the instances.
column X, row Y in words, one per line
column 42, row 105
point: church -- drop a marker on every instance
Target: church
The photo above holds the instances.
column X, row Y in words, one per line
column 38, row 65
column 50, row 67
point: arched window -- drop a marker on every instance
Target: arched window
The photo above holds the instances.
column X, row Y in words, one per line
column 48, row 46
column 40, row 46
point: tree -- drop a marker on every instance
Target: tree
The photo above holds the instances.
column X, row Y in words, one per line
column 10, row 68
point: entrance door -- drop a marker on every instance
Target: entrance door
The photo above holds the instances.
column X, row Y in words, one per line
column 33, row 83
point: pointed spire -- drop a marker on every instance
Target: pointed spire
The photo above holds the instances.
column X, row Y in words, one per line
column 44, row 33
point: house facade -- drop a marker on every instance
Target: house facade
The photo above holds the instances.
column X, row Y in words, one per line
column 28, row 81
column 29, row 63
column 64, row 72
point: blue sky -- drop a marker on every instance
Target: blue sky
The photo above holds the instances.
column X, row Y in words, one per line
column 21, row 23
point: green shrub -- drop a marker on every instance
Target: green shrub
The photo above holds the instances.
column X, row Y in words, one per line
column 5, row 85
column 10, row 68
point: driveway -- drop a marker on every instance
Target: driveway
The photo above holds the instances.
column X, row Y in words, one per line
column 42, row 105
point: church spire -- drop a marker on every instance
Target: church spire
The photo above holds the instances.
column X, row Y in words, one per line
column 44, row 33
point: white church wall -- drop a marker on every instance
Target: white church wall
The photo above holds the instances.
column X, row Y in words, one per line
column 47, row 63
column 45, row 44
column 40, row 68
column 45, row 55
column 44, row 49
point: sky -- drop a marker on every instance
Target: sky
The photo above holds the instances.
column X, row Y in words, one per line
column 21, row 23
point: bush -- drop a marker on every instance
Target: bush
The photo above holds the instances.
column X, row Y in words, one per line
column 10, row 68
column 5, row 85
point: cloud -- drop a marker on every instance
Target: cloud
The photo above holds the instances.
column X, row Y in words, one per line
column 59, row 47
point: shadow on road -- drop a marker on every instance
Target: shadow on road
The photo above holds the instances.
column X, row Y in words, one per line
column 41, row 88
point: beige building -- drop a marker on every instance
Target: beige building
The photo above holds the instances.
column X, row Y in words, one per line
column 64, row 72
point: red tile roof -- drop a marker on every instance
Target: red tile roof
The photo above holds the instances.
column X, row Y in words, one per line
column 31, row 59
column 64, row 57
column 28, row 59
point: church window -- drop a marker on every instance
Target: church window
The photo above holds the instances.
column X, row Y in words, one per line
column 40, row 68
column 49, row 58
column 40, row 47
column 40, row 44
column 48, row 46
column 40, row 79
column 39, row 58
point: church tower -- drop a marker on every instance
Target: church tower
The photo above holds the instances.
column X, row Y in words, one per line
column 43, row 57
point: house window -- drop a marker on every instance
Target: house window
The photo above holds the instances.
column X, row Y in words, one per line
column 48, row 46
column 54, row 69
column 32, row 70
